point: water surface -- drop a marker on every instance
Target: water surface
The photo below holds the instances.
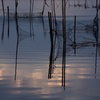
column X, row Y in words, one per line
column 30, row 58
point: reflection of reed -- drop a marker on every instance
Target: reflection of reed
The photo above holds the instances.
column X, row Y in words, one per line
column 3, row 27
column 96, row 29
column 75, row 35
column 96, row 24
column 17, row 30
column 30, row 16
column 16, row 56
column 64, row 41
column 96, row 61
column 44, row 27
column 21, row 34
column 8, row 20
column 2, row 37
column 63, row 65
column 96, row 34
column 51, row 51
column 3, row 20
column 53, row 38
column 31, row 26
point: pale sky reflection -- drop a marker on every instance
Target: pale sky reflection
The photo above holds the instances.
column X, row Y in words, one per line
column 4, row 71
column 30, row 77
column 1, row 73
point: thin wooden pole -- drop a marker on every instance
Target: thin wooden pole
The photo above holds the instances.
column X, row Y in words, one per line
column 64, row 41
column 8, row 20
column 32, row 7
column 43, row 7
column 96, row 58
column 96, row 24
column 17, row 30
column 3, row 7
column 30, row 18
column 51, row 51
column 16, row 17
column 3, row 27
column 74, row 35
column 97, row 4
column 16, row 59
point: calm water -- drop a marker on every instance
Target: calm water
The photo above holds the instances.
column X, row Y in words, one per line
column 31, row 56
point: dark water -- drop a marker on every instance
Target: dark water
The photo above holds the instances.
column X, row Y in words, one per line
column 24, row 63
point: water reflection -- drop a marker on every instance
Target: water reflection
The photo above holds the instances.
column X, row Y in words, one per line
column 2, row 73
column 8, row 20
column 40, row 74
column 68, row 46
column 65, row 67
column 96, row 62
column 54, row 36
column 3, row 28
column 17, row 45
column 17, row 31
column 44, row 29
column 21, row 35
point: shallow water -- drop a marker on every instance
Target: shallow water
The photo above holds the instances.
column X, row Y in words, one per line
column 30, row 80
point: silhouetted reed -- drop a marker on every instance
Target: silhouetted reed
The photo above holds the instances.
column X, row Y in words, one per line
column 64, row 41
column 17, row 30
column 96, row 53
column 8, row 20
column 96, row 24
column 51, row 50
column 17, row 44
column 53, row 35
column 44, row 29
column 3, row 7
column 30, row 17
column 3, row 28
column 3, row 25
column 74, row 35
